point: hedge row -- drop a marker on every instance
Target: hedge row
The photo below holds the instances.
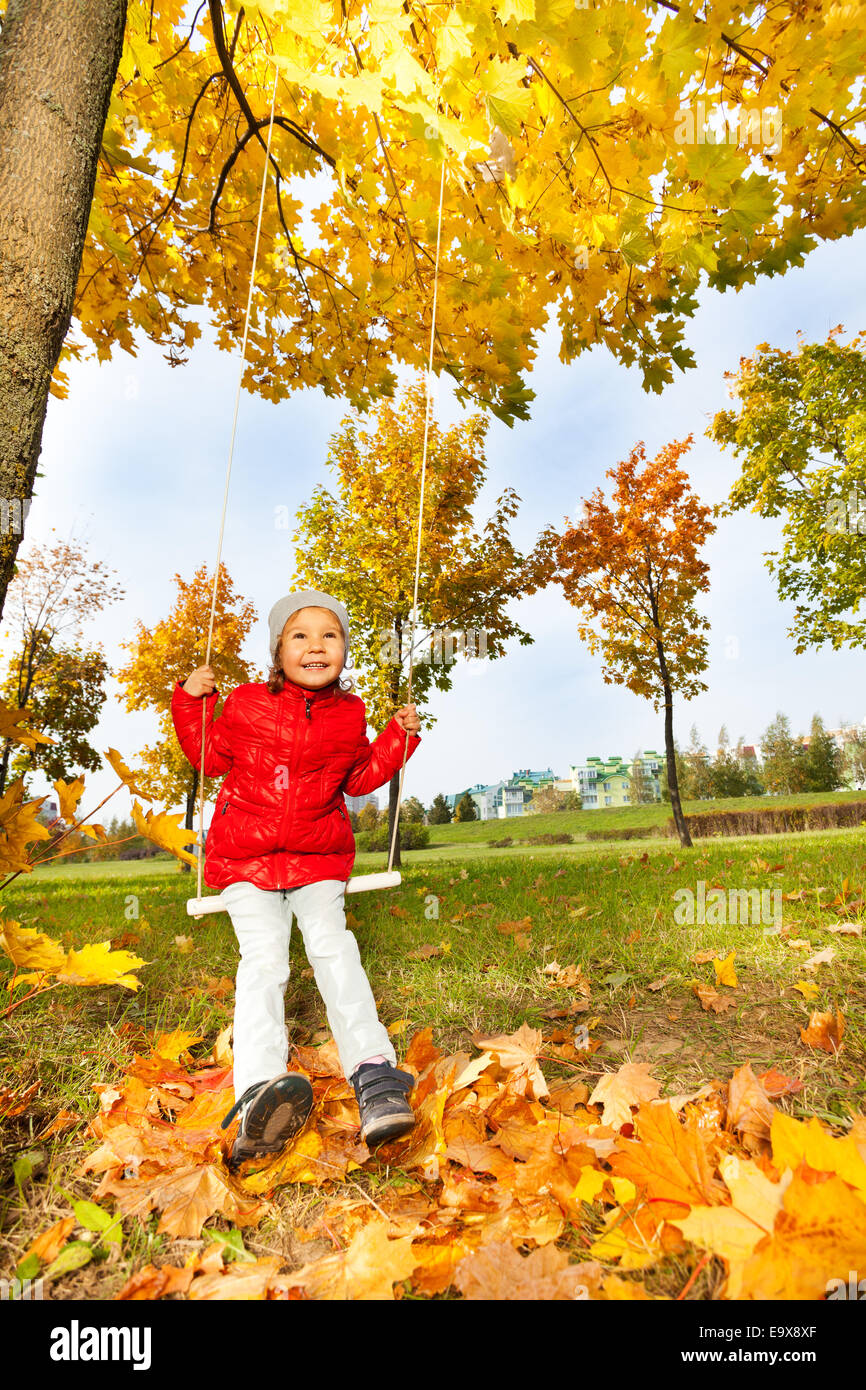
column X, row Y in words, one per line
column 633, row 832
column 769, row 820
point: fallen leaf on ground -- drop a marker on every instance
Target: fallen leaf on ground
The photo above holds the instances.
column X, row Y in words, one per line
column 498, row 1272
column 711, row 1000
column 368, row 1269
column 825, row 957
column 725, row 972
column 618, row 1091
column 49, row 1244
column 824, row 1031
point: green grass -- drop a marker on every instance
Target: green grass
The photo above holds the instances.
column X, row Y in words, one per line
column 609, row 908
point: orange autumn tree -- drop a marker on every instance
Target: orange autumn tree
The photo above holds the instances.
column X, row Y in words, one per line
column 168, row 652
column 633, row 569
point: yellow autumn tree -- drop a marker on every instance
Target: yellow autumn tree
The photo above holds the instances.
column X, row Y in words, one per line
column 166, row 653
column 360, row 544
column 602, row 164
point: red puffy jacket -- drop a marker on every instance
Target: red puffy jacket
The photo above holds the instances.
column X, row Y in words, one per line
column 280, row 819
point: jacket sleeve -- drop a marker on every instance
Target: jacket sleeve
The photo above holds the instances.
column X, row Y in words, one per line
column 186, row 717
column 377, row 762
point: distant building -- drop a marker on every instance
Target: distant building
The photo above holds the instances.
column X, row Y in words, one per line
column 494, row 801
column 533, row 781
column 607, row 782
column 357, row 803
column 652, row 764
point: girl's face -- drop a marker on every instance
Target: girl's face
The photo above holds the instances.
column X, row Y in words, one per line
column 313, row 649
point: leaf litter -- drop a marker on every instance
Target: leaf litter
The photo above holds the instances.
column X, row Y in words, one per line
column 503, row 1179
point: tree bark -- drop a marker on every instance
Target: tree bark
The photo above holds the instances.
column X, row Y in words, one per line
column 58, row 62
column 670, row 755
column 190, row 815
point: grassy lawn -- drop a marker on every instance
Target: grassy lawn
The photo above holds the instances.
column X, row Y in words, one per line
column 608, row 908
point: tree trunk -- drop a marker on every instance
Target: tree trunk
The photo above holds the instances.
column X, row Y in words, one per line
column 57, row 67
column 189, row 820
column 4, row 765
column 670, row 755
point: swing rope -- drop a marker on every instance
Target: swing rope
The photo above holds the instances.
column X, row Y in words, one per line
column 200, row 856
column 427, row 413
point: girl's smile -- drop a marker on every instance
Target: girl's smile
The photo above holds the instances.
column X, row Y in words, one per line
column 312, row 648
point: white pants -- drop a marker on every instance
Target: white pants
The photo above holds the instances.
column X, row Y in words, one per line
column 262, row 920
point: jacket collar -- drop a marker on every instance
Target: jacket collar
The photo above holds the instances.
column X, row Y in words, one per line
column 300, row 692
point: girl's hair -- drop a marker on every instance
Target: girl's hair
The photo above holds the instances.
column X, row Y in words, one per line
column 277, row 677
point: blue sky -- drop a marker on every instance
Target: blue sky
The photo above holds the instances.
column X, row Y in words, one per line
column 134, row 462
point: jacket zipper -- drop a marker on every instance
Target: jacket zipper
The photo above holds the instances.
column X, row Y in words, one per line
column 293, row 763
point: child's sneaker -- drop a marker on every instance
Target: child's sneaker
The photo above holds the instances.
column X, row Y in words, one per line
column 272, row 1112
column 381, row 1090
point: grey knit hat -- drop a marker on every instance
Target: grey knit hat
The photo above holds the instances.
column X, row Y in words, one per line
column 304, row 598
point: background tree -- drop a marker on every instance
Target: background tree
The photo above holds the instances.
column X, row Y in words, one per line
column 824, row 760
column 640, row 791
column 610, row 233
column 546, row 799
column 65, row 702
column 166, row 653
column 440, row 812
column 634, row 569
column 784, row 767
column 368, row 817
column 466, row 809
column 360, row 546
column 413, row 810
column 799, row 428
column 750, row 770
column 57, row 589
column 699, row 782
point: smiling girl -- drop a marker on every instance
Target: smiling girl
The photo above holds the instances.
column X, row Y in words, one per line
column 281, row 844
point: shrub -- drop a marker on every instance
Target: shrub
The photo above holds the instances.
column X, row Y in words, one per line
column 411, row 835
column 550, row 839
column 500, row 844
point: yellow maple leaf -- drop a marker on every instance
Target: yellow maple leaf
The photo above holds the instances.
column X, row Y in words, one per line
column 725, row 973
column 619, row 1091
column 798, row 1141
column 166, row 831
column 10, row 719
column 69, row 795
column 19, row 828
column 368, row 1269
column 97, row 964
column 126, row 775
column 31, row 949
column 807, row 988
column 819, row 1235
column 173, row 1045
